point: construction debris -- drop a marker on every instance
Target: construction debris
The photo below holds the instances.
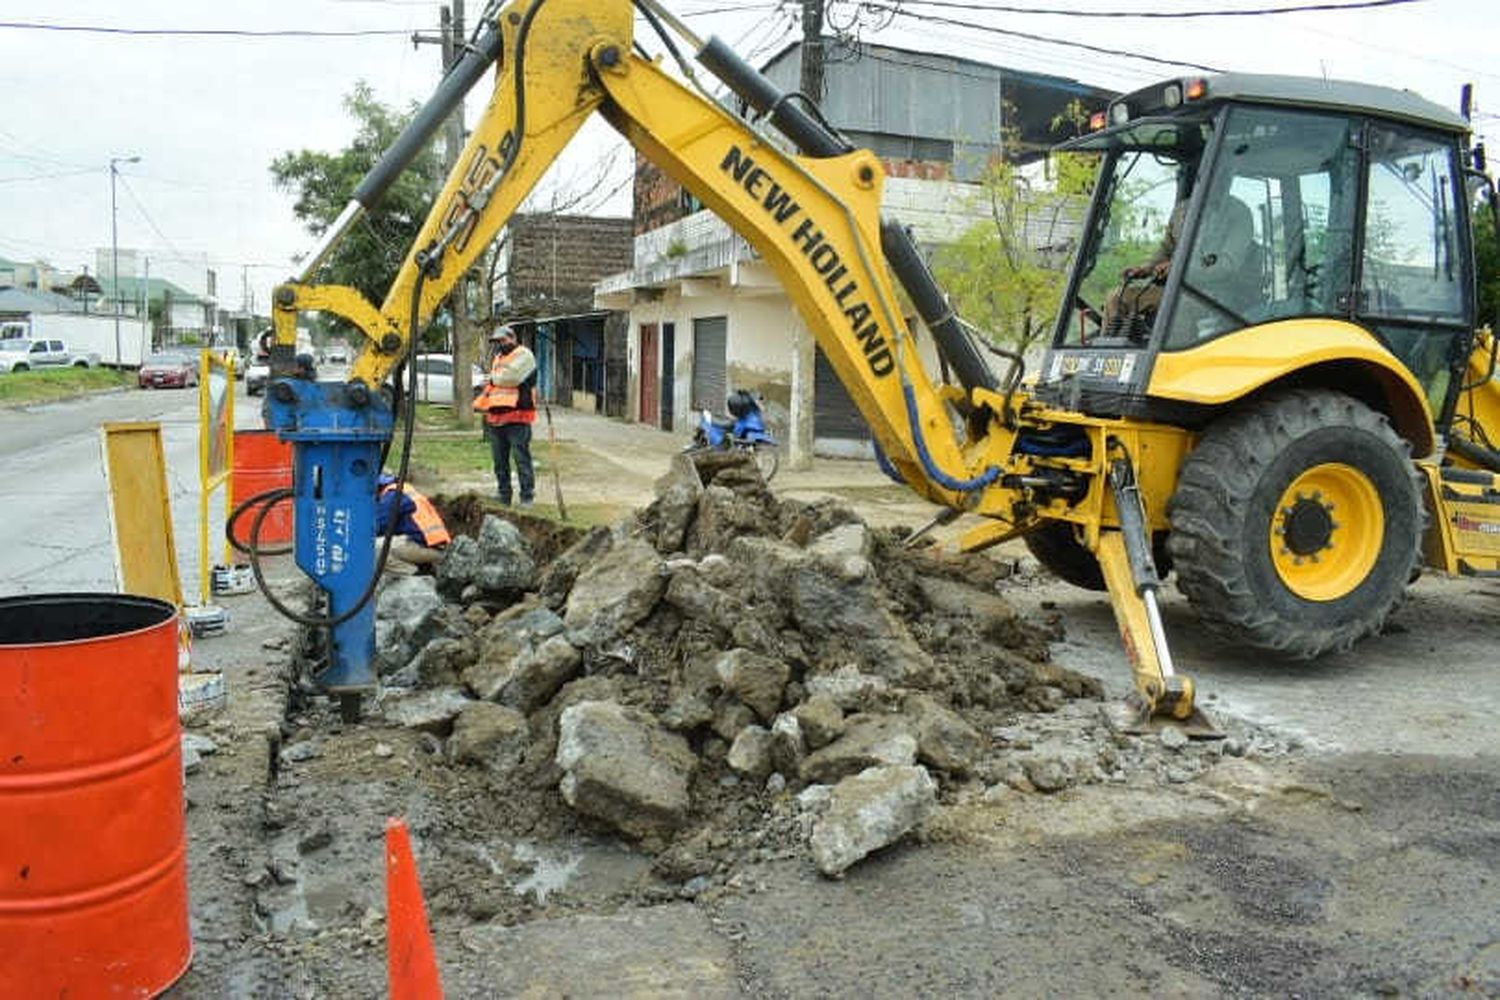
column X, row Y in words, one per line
column 725, row 654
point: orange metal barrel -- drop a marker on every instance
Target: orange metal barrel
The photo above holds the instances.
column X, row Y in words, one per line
column 261, row 463
column 93, row 838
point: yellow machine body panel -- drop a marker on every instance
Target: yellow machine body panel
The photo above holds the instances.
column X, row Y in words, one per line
column 1463, row 537
column 1477, row 419
column 1326, row 352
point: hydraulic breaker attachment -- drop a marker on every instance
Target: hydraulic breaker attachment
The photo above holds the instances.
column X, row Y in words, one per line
column 337, row 432
column 1161, row 696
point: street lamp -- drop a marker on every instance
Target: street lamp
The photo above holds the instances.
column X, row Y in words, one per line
column 114, row 248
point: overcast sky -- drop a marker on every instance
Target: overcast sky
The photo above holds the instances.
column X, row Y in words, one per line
column 207, row 115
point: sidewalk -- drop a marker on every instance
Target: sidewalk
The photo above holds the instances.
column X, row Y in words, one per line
column 626, row 459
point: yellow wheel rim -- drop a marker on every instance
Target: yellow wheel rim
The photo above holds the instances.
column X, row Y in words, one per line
column 1327, row 532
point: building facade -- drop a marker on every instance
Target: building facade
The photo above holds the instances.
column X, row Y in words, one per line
column 548, row 266
column 707, row 317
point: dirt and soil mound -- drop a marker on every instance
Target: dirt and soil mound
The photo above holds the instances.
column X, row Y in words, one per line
column 644, row 713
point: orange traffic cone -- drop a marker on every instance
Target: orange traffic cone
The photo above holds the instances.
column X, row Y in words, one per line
column 413, row 967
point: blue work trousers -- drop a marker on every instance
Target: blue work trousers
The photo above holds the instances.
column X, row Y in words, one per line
column 509, row 441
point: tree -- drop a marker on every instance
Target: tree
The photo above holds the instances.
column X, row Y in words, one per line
column 1006, row 274
column 1487, row 262
column 371, row 253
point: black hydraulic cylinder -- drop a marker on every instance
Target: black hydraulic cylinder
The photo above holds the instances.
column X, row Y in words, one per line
column 814, row 138
column 419, row 132
column 792, row 119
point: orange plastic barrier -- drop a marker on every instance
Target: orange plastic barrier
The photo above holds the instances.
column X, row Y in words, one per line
column 261, row 463
column 411, row 960
column 93, row 841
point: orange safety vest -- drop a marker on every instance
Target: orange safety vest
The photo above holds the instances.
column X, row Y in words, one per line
column 502, row 402
column 425, row 516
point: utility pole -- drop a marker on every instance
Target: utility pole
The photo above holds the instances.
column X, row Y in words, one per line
column 114, row 244
column 451, row 38
column 146, row 338
column 812, row 50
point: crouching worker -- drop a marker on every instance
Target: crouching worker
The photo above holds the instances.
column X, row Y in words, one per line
column 421, row 539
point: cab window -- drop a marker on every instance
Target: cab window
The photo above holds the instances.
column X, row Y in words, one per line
column 1276, row 231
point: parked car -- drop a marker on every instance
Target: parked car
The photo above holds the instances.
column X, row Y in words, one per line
column 168, row 371
column 257, row 374
column 19, row 354
column 434, row 383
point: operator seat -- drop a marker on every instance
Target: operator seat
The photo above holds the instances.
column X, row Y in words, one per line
column 1232, row 263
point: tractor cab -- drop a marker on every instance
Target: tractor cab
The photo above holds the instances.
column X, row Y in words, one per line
column 1231, row 210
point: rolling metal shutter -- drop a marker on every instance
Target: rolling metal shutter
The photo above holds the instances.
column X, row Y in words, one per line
column 834, row 412
column 709, row 339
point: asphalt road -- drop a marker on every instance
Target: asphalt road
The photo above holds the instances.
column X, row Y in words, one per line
column 56, row 537
column 1428, row 685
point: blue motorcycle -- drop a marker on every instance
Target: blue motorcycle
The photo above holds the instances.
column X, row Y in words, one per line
column 745, row 431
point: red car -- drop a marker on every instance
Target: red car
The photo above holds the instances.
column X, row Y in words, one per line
column 163, row 371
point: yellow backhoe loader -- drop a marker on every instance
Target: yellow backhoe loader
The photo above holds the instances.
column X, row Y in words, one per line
column 1265, row 372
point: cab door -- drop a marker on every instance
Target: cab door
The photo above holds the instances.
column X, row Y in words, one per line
column 1413, row 286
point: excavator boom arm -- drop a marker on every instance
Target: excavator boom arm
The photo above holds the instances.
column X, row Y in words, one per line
column 814, row 219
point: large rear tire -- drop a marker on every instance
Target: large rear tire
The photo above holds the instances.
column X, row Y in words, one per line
column 1297, row 523
column 1056, row 547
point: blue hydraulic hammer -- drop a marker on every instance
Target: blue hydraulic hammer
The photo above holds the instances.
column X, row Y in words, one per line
column 338, row 432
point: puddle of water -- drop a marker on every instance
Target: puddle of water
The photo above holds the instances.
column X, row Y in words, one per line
column 550, row 872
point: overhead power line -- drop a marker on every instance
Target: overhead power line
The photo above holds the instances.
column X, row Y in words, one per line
column 48, row 177
column 99, row 29
column 1034, row 37
column 1160, row 14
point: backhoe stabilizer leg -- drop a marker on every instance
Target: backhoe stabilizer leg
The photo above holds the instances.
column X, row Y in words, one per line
column 1161, row 696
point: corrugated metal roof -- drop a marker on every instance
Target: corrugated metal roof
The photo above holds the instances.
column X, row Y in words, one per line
column 27, row 300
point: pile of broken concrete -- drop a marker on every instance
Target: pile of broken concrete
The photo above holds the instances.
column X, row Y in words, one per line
column 728, row 654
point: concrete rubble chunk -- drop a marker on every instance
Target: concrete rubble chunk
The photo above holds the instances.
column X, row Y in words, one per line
column 868, row 811
column 869, row 741
column 788, row 748
column 750, row 753
column 677, row 495
column 950, row 597
column 623, row 769
column 406, row 600
column 409, row 613
column 538, row 674
column 613, row 594
column 756, row 680
column 847, row 687
column 497, row 561
column 512, row 634
column 426, row 711
column 730, row 716
column 821, row 719
column 944, row 740
column 1048, row 773
column 442, row 661
column 852, row 539
column 489, row 735
column 686, row 713
column 853, row 614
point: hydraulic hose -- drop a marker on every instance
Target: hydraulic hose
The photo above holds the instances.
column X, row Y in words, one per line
column 937, row 475
column 884, row 463
column 268, row 498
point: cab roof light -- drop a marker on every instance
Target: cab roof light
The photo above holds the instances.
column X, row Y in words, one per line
column 1097, row 121
column 1197, row 89
column 1171, row 95
column 1119, row 113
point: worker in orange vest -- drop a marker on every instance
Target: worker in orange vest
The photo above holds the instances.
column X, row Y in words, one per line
column 508, row 403
column 421, row 539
